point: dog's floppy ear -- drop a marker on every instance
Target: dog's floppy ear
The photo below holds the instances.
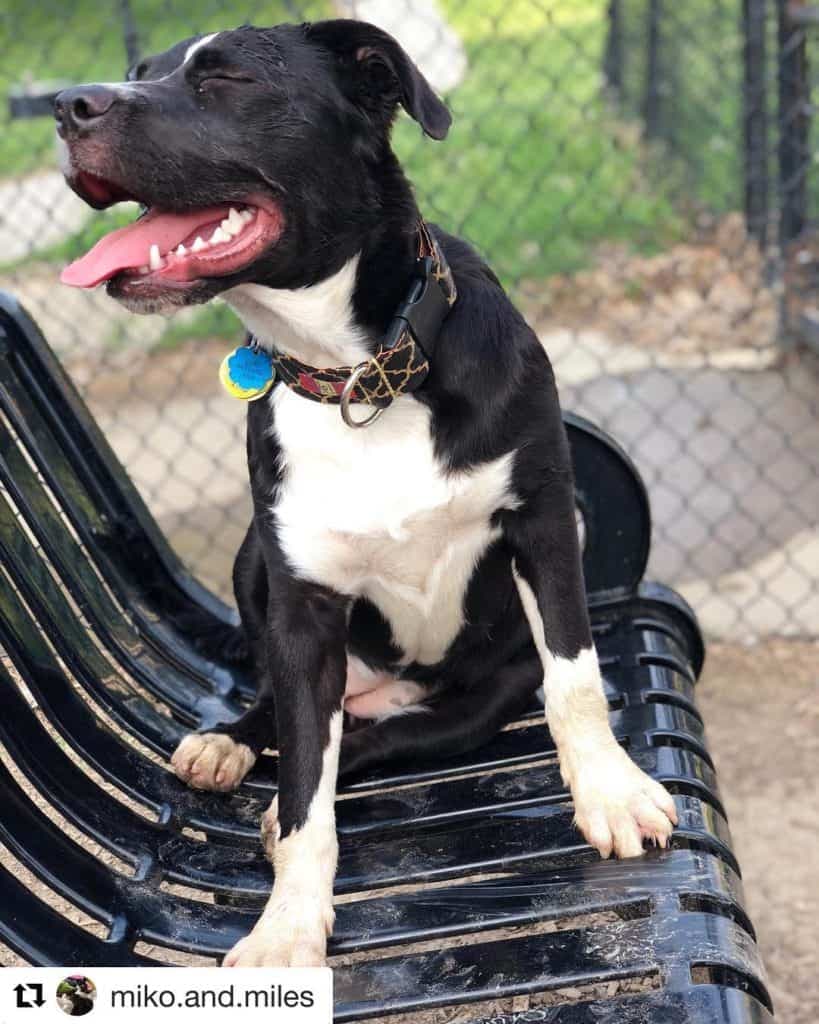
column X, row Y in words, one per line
column 380, row 73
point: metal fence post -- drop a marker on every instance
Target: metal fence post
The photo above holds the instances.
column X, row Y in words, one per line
column 130, row 32
column 613, row 57
column 794, row 121
column 652, row 100
column 755, row 119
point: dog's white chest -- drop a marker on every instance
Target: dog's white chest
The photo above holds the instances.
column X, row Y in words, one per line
column 371, row 513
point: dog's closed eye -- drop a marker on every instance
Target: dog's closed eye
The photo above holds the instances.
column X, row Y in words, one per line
column 210, row 67
column 210, row 79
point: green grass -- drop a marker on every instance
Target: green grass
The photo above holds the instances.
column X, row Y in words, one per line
column 702, row 59
column 538, row 170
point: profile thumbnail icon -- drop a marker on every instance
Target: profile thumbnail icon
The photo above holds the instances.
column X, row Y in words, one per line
column 76, row 995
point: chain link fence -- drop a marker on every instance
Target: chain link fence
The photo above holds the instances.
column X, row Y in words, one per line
column 639, row 175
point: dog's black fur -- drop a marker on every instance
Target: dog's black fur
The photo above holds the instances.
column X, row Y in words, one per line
column 302, row 114
column 306, row 114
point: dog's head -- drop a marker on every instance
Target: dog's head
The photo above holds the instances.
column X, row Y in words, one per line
column 259, row 155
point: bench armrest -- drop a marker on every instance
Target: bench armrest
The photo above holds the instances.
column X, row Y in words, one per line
column 612, row 500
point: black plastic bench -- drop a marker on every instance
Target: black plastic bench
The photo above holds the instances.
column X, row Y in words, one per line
column 100, row 679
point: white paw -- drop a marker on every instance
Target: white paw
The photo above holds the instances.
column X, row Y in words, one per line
column 270, row 829
column 617, row 805
column 212, row 761
column 279, row 942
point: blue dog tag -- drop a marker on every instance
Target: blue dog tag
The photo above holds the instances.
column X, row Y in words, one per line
column 247, row 373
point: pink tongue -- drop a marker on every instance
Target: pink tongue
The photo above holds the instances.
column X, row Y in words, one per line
column 129, row 247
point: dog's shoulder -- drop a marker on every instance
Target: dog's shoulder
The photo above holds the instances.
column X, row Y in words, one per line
column 491, row 384
column 485, row 333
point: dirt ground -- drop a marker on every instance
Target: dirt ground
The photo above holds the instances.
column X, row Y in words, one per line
column 761, row 710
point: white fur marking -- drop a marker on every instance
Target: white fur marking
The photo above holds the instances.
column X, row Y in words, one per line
column 372, row 513
column 314, row 324
column 191, row 50
column 616, row 803
column 63, row 155
column 293, row 928
column 123, row 88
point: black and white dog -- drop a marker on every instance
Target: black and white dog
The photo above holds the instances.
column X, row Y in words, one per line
column 422, row 574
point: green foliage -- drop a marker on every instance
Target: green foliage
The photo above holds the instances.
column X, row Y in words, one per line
column 701, row 87
column 537, row 169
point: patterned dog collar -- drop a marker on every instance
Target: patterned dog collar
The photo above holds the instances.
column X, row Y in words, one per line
column 398, row 367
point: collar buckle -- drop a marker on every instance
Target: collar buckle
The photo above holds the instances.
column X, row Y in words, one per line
column 425, row 308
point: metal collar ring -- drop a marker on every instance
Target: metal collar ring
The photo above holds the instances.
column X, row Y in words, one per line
column 347, row 394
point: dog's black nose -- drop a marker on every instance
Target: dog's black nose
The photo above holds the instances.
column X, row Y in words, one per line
column 82, row 107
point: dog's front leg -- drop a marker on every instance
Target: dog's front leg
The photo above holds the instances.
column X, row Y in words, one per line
column 617, row 805
column 307, row 629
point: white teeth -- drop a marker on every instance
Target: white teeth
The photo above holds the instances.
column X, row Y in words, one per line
column 154, row 259
column 219, row 236
column 246, row 216
column 198, row 245
column 233, row 224
column 181, row 250
column 235, row 220
column 144, row 269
